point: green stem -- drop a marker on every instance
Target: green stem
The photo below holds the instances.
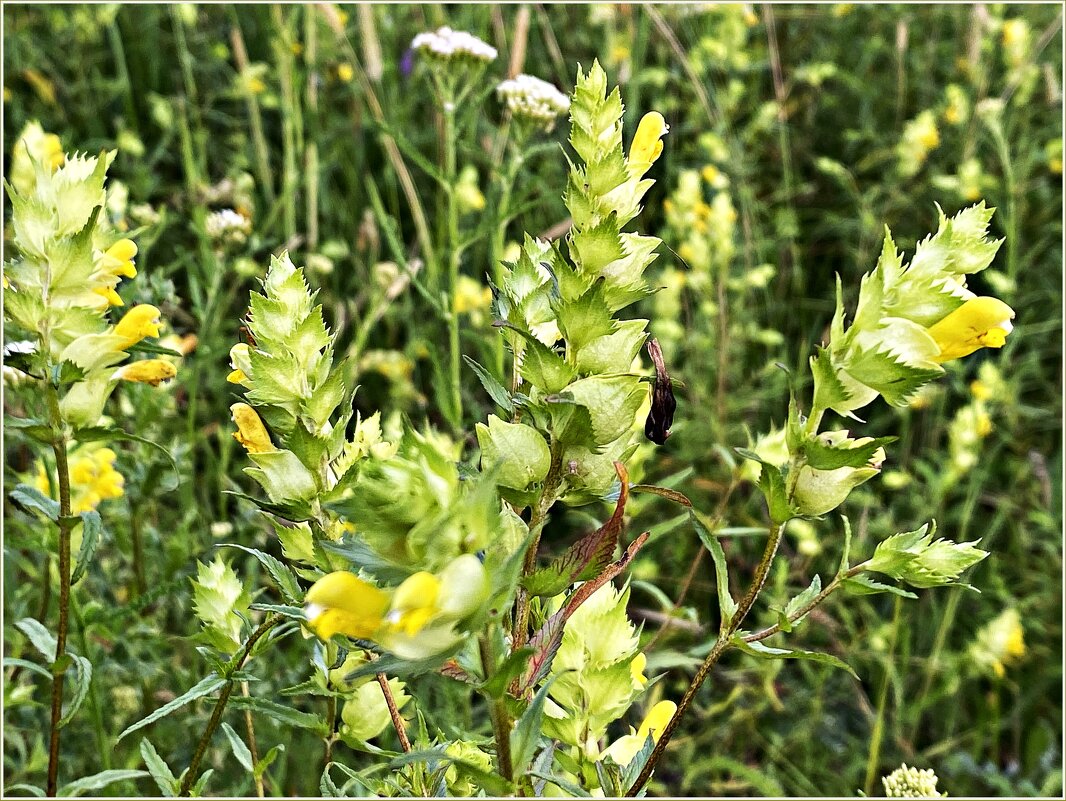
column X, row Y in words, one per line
column 235, row 664
column 66, row 523
column 499, row 239
column 762, row 571
column 873, row 759
column 454, row 352
column 501, row 719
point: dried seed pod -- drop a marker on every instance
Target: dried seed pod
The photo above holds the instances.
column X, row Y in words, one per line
column 661, row 416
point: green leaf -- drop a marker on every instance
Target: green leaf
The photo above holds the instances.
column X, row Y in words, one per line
column 206, row 686
column 766, row 652
column 282, row 714
column 30, row 498
column 35, row 429
column 25, row 664
column 864, row 585
column 41, row 639
column 495, row 389
column 726, row 605
column 282, row 575
column 107, row 434
column 240, row 750
column 517, row 453
column 586, row 318
column 845, row 553
column 541, row 366
column 159, row 770
column 526, row 734
column 511, row 669
column 823, row 456
column 355, row 549
column 267, row 760
column 91, row 531
column 829, row 391
column 801, row 600
column 82, row 682
column 99, row 781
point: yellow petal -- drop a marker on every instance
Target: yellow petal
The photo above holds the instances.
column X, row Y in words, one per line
column 415, row 602
column 139, row 322
column 342, row 603
column 251, row 432
column 118, row 259
column 237, row 377
column 636, row 669
column 110, row 295
column 647, row 143
column 982, row 322
column 146, row 371
column 656, row 720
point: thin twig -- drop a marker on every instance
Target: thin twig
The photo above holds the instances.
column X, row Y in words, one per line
column 235, row 664
column 721, row 644
column 394, row 713
column 253, row 747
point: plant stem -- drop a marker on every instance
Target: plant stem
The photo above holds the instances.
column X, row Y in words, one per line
column 394, row 713
column 720, row 646
column 235, row 664
column 253, row 747
column 94, row 702
column 59, row 447
column 878, row 733
column 501, row 720
column 454, row 374
column 255, row 117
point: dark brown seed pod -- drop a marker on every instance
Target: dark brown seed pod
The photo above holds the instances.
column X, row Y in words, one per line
column 661, row 416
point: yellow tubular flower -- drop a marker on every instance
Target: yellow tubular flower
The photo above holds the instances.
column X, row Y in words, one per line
column 251, row 432
column 982, row 322
column 647, row 143
column 109, row 294
column 139, row 322
column 341, row 603
column 415, row 603
column 238, row 360
column 146, row 371
column 656, row 719
column 118, row 259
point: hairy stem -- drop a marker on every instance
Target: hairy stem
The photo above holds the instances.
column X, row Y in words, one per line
column 501, row 719
column 235, row 664
column 394, row 713
column 454, row 257
column 720, row 646
column 66, row 523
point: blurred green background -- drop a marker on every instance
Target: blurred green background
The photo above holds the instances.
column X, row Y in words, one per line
column 797, row 133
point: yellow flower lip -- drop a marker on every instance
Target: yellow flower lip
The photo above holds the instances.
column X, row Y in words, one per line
column 342, row 603
column 980, row 322
column 251, row 432
column 139, row 322
column 656, row 720
column 647, row 143
column 118, row 259
column 636, row 669
column 146, row 371
column 238, row 360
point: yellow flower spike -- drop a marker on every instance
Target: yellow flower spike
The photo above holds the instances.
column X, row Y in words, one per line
column 345, row 72
column 139, row 322
column 342, row 603
column 118, row 259
column 41, row 481
column 636, row 669
column 647, row 143
column 656, row 719
column 238, row 360
column 251, row 432
column 415, row 603
column 146, row 371
column 982, row 322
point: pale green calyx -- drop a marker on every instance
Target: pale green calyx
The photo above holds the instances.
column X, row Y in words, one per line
column 917, row 559
column 221, row 604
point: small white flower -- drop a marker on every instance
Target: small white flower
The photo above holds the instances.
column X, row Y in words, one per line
column 228, row 227
column 447, row 44
column 534, row 99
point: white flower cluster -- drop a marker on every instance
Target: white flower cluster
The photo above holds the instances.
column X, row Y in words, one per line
column 533, row 99
column 228, row 227
column 447, row 44
column 905, row 782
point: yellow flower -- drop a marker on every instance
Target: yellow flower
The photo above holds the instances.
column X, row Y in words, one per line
column 341, row 603
column 239, row 361
column 980, row 390
column 1000, row 643
column 93, row 479
column 1015, row 31
column 471, row 295
column 118, row 259
column 636, row 669
column 982, row 322
column 109, row 294
column 251, row 432
column 146, row 371
column 625, row 748
column 983, row 424
column 414, row 603
column 647, row 143
column 139, row 322
column 345, row 72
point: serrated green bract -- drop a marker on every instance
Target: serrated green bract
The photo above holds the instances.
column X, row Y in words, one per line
column 516, row 453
